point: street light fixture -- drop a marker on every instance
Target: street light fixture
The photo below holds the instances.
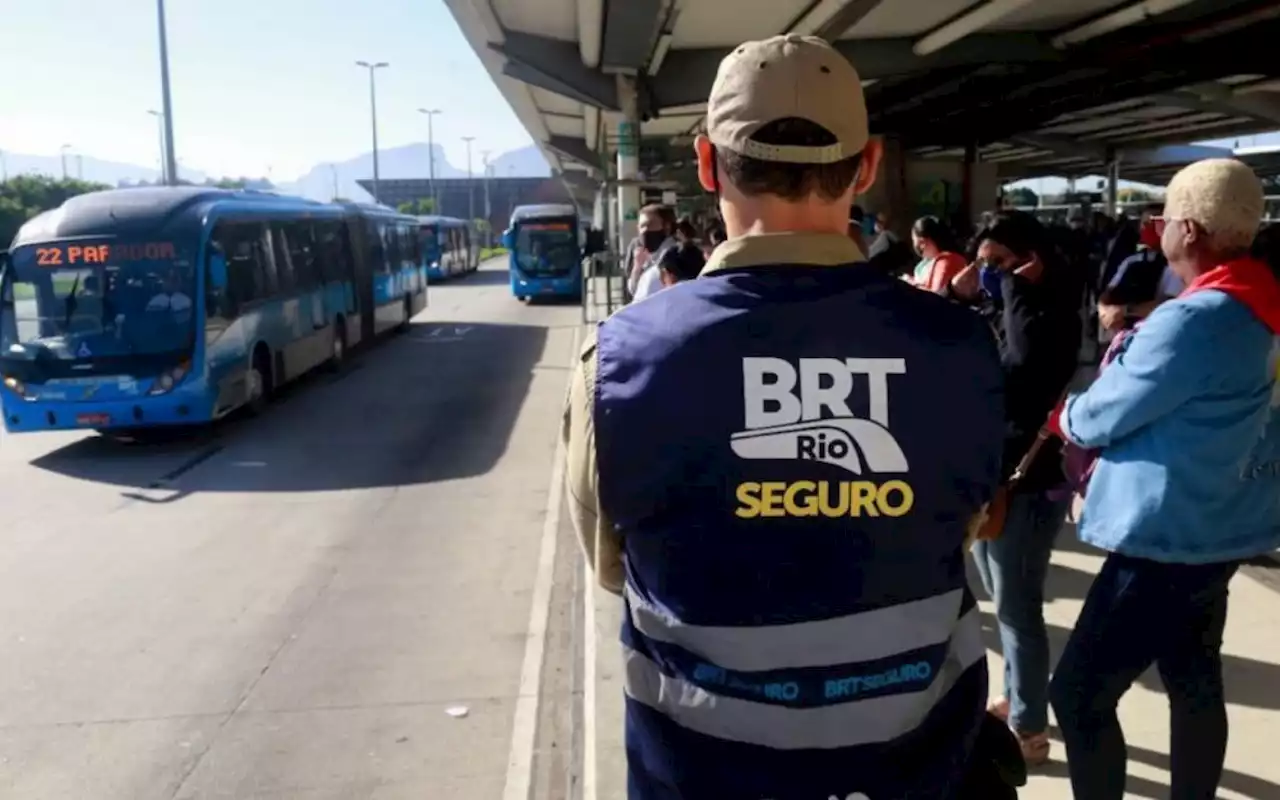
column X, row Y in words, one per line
column 170, row 169
column 164, row 170
column 431, row 154
column 471, row 194
column 373, row 115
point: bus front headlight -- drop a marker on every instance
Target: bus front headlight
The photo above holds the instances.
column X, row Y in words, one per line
column 169, row 379
column 16, row 386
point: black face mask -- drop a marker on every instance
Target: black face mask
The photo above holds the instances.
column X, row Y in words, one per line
column 652, row 240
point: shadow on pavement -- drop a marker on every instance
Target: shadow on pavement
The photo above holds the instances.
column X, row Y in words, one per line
column 435, row 403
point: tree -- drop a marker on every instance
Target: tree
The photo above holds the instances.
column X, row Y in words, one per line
column 24, row 196
column 1021, row 196
column 419, row 206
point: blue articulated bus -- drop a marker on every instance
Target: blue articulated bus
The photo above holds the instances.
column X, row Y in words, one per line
column 448, row 247
column 545, row 251
column 134, row 308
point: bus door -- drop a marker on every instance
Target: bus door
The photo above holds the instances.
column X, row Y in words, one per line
column 362, row 253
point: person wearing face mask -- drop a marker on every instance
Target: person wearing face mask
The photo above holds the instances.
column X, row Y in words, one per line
column 939, row 261
column 656, row 225
column 1025, row 291
column 1142, row 281
column 658, row 233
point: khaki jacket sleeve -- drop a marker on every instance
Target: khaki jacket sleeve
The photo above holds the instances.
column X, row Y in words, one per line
column 600, row 542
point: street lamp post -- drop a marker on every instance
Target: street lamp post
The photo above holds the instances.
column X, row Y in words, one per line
column 471, row 194
column 431, row 155
column 164, row 170
column 62, row 151
column 373, row 115
column 170, row 158
column 79, row 167
column 488, row 212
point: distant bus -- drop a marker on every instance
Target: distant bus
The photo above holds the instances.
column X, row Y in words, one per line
column 545, row 251
column 448, row 247
column 134, row 308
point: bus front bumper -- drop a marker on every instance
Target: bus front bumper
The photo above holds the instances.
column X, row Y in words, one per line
column 25, row 416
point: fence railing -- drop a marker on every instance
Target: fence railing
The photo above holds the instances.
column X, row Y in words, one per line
column 604, row 287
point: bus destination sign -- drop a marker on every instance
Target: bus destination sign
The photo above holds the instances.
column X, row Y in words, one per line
column 67, row 254
column 547, row 226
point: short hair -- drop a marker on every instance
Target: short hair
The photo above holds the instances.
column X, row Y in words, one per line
column 1019, row 231
column 684, row 261
column 793, row 182
column 1223, row 196
column 665, row 213
column 686, row 230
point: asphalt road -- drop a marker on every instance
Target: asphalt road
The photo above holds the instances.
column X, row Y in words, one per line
column 289, row 606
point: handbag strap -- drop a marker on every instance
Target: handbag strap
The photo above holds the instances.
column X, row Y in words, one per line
column 1043, row 435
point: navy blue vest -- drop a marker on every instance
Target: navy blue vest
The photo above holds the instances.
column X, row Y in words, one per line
column 791, row 455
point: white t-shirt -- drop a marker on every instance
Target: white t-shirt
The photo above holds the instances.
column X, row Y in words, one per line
column 649, row 283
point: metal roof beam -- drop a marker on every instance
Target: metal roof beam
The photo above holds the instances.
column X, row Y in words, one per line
column 557, row 67
column 630, row 30
column 1171, row 155
column 1061, row 145
column 1222, row 100
column 830, row 19
column 686, row 75
column 574, row 150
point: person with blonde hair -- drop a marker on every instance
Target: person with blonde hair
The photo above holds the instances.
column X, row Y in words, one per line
column 1179, row 417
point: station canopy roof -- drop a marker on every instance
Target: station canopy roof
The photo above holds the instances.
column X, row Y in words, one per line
column 1041, row 87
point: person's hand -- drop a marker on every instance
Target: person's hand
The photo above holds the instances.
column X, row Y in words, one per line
column 1031, row 270
column 966, row 283
column 1111, row 317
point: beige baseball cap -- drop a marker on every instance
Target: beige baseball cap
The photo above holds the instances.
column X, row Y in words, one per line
column 780, row 78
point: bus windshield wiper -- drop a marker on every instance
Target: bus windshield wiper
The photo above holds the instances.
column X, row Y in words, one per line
column 70, row 303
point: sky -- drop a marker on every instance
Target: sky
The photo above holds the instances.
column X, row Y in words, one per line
column 260, row 87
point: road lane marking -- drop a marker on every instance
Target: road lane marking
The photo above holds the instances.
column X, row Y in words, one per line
column 524, row 728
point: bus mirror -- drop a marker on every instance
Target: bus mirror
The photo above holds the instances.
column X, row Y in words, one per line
column 509, row 239
column 218, row 270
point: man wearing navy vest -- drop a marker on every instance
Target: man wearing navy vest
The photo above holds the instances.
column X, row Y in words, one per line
column 758, row 464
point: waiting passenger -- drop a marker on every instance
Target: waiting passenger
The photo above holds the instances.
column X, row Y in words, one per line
column 939, row 261
column 757, row 464
column 679, row 264
column 1024, row 289
column 1183, row 490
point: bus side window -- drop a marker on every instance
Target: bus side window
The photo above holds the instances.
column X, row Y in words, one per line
column 377, row 249
column 326, row 250
column 285, row 282
column 391, row 232
column 270, row 285
column 241, row 243
column 298, row 244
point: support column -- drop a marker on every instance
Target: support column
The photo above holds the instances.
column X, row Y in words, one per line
column 599, row 208
column 1113, row 182
column 628, row 160
column 897, row 195
column 968, row 203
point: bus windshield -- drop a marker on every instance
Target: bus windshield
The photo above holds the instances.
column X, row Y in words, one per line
column 546, row 248
column 111, row 311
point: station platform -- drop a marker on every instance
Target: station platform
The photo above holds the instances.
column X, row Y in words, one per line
column 1252, row 673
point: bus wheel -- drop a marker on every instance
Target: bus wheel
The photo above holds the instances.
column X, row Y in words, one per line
column 338, row 353
column 259, row 381
column 408, row 313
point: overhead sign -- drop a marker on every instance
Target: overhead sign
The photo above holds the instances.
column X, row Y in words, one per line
column 64, row 254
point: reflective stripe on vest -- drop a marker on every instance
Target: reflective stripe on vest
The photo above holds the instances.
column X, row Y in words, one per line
column 848, row 639
column 845, row 724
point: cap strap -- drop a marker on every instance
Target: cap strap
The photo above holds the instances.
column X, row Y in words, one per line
column 794, row 154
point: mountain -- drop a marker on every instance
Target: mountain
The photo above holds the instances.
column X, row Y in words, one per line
column 408, row 161
column 93, row 169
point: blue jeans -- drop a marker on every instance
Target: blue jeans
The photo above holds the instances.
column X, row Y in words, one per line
column 1013, row 569
column 1139, row 612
